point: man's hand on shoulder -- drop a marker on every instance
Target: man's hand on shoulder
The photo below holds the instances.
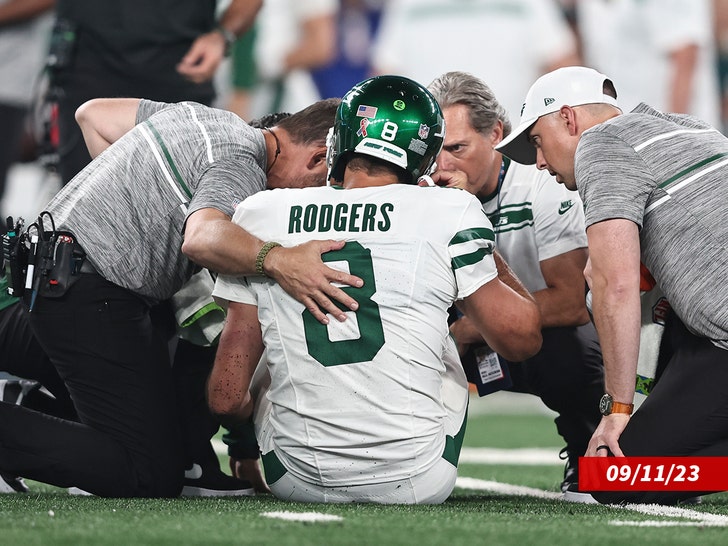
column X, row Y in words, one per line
column 302, row 273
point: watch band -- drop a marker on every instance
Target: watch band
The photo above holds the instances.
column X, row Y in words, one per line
column 608, row 406
column 229, row 37
column 619, row 407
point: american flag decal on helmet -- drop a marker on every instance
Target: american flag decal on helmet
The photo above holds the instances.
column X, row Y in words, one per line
column 366, row 111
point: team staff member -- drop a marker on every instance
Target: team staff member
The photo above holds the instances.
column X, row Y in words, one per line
column 653, row 187
column 146, row 211
column 164, row 50
column 371, row 413
column 539, row 231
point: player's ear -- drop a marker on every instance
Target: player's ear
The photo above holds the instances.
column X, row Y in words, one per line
column 317, row 158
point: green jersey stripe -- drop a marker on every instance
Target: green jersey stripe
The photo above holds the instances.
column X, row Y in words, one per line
column 513, row 227
column 675, row 187
column 169, row 159
column 468, row 235
column 465, row 260
column 690, row 169
column 472, row 235
column 149, row 138
column 525, row 205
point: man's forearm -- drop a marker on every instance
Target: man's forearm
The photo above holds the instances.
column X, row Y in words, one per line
column 617, row 321
column 16, row 11
column 240, row 15
column 104, row 121
column 222, row 246
column 558, row 310
column 509, row 278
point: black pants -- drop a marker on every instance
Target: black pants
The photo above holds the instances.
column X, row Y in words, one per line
column 116, row 367
column 22, row 356
column 568, row 375
column 191, row 368
column 685, row 415
column 12, row 119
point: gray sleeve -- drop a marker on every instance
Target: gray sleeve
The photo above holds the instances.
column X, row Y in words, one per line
column 225, row 184
column 148, row 108
column 612, row 179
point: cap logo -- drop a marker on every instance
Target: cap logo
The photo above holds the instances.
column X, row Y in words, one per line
column 548, row 100
column 399, row 105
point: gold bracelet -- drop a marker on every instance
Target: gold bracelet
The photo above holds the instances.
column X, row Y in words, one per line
column 265, row 249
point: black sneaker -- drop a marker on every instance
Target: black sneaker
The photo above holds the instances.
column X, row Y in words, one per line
column 213, row 482
column 570, row 484
column 12, row 484
column 572, row 494
column 571, row 470
column 14, row 391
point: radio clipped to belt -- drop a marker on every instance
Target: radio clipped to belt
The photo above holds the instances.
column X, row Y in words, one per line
column 42, row 261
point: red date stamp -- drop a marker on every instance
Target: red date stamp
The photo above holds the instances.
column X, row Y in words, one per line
column 653, row 474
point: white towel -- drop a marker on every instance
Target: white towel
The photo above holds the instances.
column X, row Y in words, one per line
column 199, row 318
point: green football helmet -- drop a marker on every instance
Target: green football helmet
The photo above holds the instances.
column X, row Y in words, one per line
column 389, row 117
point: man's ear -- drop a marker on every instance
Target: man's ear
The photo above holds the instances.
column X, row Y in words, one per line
column 568, row 114
column 496, row 135
column 317, row 158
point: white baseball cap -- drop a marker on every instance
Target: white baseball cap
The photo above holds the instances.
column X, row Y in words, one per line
column 570, row 86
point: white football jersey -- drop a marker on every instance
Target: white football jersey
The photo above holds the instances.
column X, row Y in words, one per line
column 535, row 218
column 361, row 401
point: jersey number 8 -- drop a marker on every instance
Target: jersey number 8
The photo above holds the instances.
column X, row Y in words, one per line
column 371, row 332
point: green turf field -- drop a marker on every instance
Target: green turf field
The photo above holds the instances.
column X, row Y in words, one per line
column 486, row 508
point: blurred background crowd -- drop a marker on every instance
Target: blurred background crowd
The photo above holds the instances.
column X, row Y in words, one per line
column 671, row 54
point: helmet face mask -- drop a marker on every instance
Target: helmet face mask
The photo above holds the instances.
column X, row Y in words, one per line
column 392, row 118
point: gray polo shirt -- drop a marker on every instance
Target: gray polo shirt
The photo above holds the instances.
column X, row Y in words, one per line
column 667, row 173
column 129, row 206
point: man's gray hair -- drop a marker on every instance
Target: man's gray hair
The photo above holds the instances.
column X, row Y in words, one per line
column 456, row 87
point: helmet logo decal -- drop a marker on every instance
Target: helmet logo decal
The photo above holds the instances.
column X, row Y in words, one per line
column 424, row 131
column 399, row 105
column 362, row 132
column 418, row 146
column 366, row 111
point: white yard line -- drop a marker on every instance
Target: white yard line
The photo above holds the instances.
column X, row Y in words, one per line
column 302, row 516
column 505, row 488
column 696, row 519
column 523, row 456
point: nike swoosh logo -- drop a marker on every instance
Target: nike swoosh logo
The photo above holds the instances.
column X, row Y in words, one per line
column 566, row 205
column 194, row 473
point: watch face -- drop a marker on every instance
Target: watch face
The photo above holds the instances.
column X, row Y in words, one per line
column 605, row 405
